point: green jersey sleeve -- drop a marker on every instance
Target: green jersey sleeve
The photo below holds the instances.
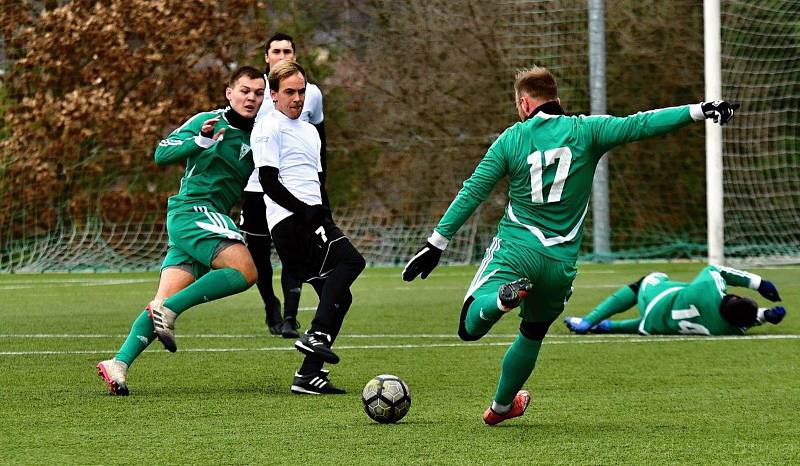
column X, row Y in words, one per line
column 185, row 141
column 735, row 277
column 608, row 132
column 475, row 190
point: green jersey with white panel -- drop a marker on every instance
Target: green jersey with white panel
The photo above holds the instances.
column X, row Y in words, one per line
column 550, row 160
column 670, row 307
column 215, row 176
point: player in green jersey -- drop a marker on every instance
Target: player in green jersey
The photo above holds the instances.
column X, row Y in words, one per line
column 549, row 159
column 206, row 256
column 702, row 307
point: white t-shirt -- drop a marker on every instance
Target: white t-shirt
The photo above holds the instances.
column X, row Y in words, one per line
column 312, row 113
column 291, row 146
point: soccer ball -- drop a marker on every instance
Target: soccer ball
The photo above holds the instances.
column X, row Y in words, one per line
column 386, row 398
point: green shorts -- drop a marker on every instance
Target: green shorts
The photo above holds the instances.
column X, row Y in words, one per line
column 194, row 235
column 551, row 279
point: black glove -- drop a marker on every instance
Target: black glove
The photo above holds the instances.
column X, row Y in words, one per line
column 719, row 110
column 423, row 262
column 767, row 289
column 314, row 215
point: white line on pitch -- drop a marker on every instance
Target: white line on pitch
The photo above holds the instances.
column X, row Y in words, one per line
column 570, row 341
column 413, row 335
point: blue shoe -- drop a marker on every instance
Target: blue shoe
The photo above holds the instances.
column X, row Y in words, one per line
column 577, row 325
column 604, row 326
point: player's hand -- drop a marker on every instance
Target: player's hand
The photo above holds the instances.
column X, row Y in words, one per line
column 768, row 290
column 423, row 262
column 719, row 110
column 207, row 130
column 314, row 215
column 775, row 315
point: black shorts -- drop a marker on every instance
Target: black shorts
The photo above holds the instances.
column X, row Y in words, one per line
column 253, row 219
column 308, row 254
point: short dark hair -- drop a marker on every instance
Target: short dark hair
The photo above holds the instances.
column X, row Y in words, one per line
column 282, row 71
column 248, row 71
column 277, row 37
column 739, row 311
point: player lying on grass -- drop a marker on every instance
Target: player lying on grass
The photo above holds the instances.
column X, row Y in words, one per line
column 549, row 159
column 702, row 307
column 206, row 256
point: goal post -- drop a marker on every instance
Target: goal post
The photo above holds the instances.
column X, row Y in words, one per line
column 713, row 91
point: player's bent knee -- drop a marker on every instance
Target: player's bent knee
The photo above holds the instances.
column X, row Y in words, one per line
column 462, row 323
column 534, row 330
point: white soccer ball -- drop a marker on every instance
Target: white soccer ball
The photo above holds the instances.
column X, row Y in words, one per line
column 386, row 398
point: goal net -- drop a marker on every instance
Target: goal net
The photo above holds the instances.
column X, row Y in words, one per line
column 761, row 148
column 415, row 93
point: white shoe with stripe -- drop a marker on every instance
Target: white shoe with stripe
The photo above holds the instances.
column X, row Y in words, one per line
column 163, row 323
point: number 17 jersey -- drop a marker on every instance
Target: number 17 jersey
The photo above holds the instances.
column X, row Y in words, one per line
column 550, row 160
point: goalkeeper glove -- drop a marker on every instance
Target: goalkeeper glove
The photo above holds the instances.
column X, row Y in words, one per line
column 423, row 262
column 775, row 315
column 719, row 110
column 767, row 289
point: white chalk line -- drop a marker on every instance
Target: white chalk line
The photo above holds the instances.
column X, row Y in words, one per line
column 554, row 340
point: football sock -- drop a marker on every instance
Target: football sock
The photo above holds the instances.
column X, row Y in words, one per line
column 518, row 364
column 335, row 292
column 500, row 409
column 625, row 326
column 258, row 245
column 622, row 300
column 215, row 284
column 311, row 365
column 139, row 338
column 482, row 314
column 291, row 294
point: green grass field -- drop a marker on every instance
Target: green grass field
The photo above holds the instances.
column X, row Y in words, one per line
column 224, row 396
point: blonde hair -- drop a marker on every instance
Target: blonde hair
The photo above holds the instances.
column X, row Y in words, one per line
column 282, row 71
column 537, row 82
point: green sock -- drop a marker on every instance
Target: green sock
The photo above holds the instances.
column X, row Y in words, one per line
column 140, row 338
column 622, row 300
column 482, row 314
column 518, row 364
column 215, row 284
column 625, row 326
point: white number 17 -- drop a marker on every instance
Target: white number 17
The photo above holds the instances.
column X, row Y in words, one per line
column 564, row 156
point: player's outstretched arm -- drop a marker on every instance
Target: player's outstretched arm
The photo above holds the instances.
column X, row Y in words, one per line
column 609, row 131
column 193, row 137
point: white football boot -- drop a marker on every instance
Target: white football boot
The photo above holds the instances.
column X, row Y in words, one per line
column 163, row 323
column 115, row 374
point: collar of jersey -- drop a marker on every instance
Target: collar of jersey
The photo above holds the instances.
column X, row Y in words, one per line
column 284, row 117
column 548, row 109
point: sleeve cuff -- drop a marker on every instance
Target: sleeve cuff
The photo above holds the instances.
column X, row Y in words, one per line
column 755, row 281
column 696, row 112
column 438, row 240
column 203, row 141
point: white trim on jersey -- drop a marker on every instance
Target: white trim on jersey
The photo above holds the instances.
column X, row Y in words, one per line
column 477, row 281
column 653, row 303
column 547, row 242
